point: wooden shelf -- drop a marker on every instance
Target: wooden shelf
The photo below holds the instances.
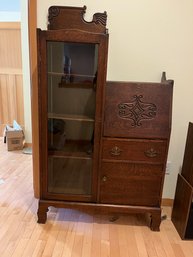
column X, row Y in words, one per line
column 71, row 74
column 68, row 155
column 73, row 150
column 70, row 117
column 87, row 80
column 76, row 85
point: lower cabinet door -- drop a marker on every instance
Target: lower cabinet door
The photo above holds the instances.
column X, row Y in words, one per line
column 131, row 184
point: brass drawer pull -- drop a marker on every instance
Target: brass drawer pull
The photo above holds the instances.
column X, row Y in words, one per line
column 104, row 179
column 151, row 153
column 115, row 151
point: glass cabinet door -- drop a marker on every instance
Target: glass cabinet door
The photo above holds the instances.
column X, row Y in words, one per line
column 71, row 76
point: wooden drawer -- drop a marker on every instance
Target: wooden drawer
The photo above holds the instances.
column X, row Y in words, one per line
column 132, row 184
column 135, row 150
column 138, row 110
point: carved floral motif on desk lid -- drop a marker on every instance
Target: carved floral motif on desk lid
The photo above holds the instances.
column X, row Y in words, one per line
column 137, row 110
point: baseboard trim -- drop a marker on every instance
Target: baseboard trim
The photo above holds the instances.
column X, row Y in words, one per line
column 28, row 145
column 167, row 202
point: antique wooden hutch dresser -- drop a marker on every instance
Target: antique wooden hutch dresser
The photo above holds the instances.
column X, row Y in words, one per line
column 103, row 144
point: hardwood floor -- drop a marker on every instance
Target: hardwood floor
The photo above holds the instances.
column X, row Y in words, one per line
column 70, row 233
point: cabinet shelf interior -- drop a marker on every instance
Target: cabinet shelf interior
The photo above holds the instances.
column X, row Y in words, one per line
column 73, row 149
column 72, row 117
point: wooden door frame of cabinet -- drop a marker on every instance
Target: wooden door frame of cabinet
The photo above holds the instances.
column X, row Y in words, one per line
column 32, row 25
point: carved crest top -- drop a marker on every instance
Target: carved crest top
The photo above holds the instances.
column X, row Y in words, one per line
column 66, row 17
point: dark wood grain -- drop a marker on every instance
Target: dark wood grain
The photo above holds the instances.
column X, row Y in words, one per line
column 138, row 110
column 182, row 213
column 132, row 126
column 135, row 150
column 137, row 127
column 64, row 17
column 187, row 167
column 182, row 204
column 132, row 184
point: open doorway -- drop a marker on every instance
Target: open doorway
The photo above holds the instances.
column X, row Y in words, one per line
column 11, row 75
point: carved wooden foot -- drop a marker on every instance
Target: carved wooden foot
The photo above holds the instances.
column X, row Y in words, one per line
column 42, row 214
column 155, row 221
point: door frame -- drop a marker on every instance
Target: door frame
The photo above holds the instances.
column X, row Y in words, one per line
column 32, row 26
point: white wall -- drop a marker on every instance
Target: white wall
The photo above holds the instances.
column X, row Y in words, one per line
column 146, row 38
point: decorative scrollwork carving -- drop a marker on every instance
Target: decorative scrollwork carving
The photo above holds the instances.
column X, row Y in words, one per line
column 100, row 18
column 67, row 17
column 53, row 12
column 137, row 110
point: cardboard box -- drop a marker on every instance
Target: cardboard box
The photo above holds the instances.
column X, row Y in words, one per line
column 14, row 137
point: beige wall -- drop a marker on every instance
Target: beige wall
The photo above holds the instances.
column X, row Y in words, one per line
column 146, row 38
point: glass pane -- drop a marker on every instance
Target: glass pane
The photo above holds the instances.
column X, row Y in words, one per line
column 72, row 71
column 74, row 63
column 69, row 175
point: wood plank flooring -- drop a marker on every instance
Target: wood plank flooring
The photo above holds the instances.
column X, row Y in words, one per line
column 70, row 233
